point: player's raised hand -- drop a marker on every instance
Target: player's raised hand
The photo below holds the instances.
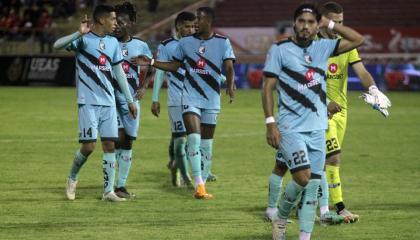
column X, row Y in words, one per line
column 273, row 135
column 141, row 60
column 333, row 108
column 323, row 23
column 155, row 108
column 85, row 25
column 133, row 110
column 230, row 90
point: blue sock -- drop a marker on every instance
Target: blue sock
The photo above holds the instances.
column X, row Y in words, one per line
column 287, row 201
column 274, row 189
column 180, row 155
column 124, row 164
column 78, row 162
column 206, row 149
column 108, row 166
column 193, row 148
column 309, row 204
column 324, row 192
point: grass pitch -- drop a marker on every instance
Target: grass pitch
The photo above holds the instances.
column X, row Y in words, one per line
column 38, row 137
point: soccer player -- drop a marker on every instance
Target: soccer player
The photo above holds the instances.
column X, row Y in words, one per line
column 98, row 60
column 184, row 26
column 296, row 68
column 128, row 127
column 204, row 54
column 337, row 77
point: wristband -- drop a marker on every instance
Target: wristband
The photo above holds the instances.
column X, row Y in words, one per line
column 331, row 25
column 270, row 120
column 152, row 62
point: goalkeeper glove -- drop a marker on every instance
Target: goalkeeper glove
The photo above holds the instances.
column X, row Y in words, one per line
column 372, row 101
column 380, row 98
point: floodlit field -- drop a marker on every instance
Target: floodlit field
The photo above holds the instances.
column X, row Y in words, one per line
column 38, row 137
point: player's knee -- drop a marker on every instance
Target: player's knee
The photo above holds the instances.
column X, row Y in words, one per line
column 302, row 177
column 280, row 169
column 87, row 148
column 333, row 160
column 108, row 146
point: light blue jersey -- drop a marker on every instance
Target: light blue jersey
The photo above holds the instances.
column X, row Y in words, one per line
column 203, row 62
column 301, row 86
column 166, row 51
column 95, row 56
column 132, row 48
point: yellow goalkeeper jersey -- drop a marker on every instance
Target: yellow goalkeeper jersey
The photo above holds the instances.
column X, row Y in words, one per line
column 337, row 76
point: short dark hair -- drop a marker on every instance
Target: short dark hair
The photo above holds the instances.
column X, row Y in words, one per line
column 127, row 8
column 184, row 16
column 307, row 7
column 102, row 10
column 331, row 7
column 208, row 11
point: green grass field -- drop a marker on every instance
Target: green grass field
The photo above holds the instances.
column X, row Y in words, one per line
column 38, row 137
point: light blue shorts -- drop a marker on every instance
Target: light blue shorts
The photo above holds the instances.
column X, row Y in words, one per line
column 207, row 116
column 94, row 118
column 175, row 118
column 303, row 150
column 126, row 122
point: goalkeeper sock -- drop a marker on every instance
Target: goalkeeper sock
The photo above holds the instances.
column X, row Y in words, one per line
column 78, row 162
column 193, row 149
column 323, row 194
column 333, row 177
column 108, row 165
column 124, row 164
column 206, row 149
column 274, row 189
column 288, row 199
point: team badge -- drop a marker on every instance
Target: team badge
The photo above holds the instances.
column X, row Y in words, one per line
column 101, row 45
column 308, row 59
column 125, row 52
column 202, row 49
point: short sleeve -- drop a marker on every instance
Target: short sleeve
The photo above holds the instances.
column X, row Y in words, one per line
column 179, row 54
column 146, row 50
column 117, row 56
column 354, row 57
column 272, row 64
column 228, row 55
column 162, row 54
column 76, row 45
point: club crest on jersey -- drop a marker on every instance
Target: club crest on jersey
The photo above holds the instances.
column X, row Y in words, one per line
column 333, row 68
column 101, row 45
column 102, row 60
column 202, row 49
column 126, row 67
column 308, row 59
column 125, row 52
column 201, row 63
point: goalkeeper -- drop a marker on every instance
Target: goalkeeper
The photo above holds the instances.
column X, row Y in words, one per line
column 337, row 91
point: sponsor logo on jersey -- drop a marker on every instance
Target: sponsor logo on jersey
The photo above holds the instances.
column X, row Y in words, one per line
column 310, row 74
column 333, row 68
column 102, row 60
column 201, row 63
column 126, row 67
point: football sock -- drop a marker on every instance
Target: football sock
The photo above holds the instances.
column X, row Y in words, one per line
column 206, row 149
column 304, row 236
column 108, row 166
column 288, row 199
column 124, row 164
column 193, row 149
column 274, row 189
column 309, row 204
column 180, row 156
column 323, row 194
column 78, row 162
column 171, row 150
column 333, row 177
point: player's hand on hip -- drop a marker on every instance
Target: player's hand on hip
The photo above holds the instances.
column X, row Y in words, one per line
column 133, row 110
column 140, row 93
column 85, row 25
column 333, row 108
column 155, row 108
column 230, row 90
column 141, row 60
column 273, row 135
